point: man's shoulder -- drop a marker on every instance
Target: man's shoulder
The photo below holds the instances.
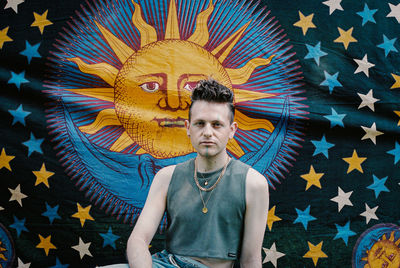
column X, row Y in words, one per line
column 255, row 179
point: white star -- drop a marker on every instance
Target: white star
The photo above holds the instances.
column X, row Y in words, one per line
column 394, row 12
column 17, row 195
column 363, row 65
column 367, row 100
column 1, row 208
column 83, row 248
column 369, row 213
column 371, row 133
column 13, row 4
column 23, row 265
column 342, row 199
column 333, row 5
column 272, row 255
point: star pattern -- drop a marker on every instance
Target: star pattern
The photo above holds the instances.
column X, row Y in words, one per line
column 41, row 21
column 45, row 244
column 272, row 218
column 5, row 160
column 305, row 23
column 33, row 145
column 315, row 52
column 312, row 178
column 371, row 133
column 303, row 217
column 272, row 255
column 345, row 37
column 19, row 115
column 367, row 15
column 42, row 176
column 335, row 118
column 83, row 214
column 322, row 147
column 342, row 199
column 21, row 264
column 344, row 232
column 19, row 225
column 398, row 114
column 369, row 213
column 51, row 213
column 363, row 65
column 13, row 4
column 18, row 79
column 315, row 252
column 109, row 238
column 394, row 12
column 31, row 51
column 388, row 45
column 354, row 162
column 397, row 81
column 395, row 152
column 378, row 185
column 333, row 5
column 83, row 248
column 368, row 100
column 17, row 195
column 4, row 37
column 331, row 81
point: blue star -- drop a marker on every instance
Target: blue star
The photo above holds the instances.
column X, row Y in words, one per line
column 17, row 79
column 51, row 213
column 109, row 238
column 59, row 264
column 388, row 45
column 335, row 118
column 378, row 185
column 322, row 146
column 19, row 225
column 344, row 232
column 331, row 81
column 367, row 14
column 315, row 52
column 31, row 51
column 304, row 217
column 33, row 145
column 395, row 152
column 19, row 115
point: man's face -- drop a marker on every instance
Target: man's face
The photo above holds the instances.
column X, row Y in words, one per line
column 210, row 128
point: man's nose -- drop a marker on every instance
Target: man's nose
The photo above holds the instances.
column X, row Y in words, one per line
column 207, row 131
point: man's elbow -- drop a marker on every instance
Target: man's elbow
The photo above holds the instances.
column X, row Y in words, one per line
column 253, row 261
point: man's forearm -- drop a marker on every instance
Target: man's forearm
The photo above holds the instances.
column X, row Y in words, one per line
column 138, row 254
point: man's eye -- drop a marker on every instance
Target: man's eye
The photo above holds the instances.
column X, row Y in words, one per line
column 150, row 86
column 190, row 85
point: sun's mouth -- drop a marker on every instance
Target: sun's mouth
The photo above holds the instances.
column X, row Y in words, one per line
column 170, row 122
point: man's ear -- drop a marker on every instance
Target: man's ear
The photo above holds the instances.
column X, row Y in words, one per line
column 234, row 127
column 187, row 126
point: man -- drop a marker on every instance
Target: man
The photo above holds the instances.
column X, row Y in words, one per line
column 217, row 207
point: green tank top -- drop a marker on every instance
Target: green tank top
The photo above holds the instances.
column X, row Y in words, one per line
column 218, row 233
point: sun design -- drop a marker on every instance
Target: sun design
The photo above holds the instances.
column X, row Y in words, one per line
column 2, row 257
column 385, row 253
column 151, row 91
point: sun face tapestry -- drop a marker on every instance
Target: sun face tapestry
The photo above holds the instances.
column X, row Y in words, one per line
column 95, row 95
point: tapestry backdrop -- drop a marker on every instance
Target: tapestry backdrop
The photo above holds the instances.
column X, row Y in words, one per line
column 94, row 95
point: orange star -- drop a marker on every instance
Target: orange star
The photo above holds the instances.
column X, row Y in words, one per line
column 305, row 22
column 315, row 252
column 83, row 214
column 345, row 37
column 354, row 162
column 272, row 218
column 4, row 37
column 41, row 21
column 398, row 113
column 45, row 244
column 312, row 178
column 5, row 160
column 42, row 176
column 397, row 81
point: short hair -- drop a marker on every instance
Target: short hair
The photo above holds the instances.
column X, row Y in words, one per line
column 211, row 91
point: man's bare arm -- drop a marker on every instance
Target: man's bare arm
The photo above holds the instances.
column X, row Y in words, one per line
column 146, row 226
column 257, row 202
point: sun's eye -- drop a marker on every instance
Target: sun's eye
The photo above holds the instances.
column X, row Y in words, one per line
column 150, row 86
column 190, row 85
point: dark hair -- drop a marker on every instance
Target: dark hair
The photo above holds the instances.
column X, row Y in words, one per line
column 211, row 91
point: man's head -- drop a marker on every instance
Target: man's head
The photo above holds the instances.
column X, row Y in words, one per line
column 211, row 91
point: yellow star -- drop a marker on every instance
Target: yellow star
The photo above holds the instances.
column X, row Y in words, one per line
column 4, row 37
column 397, row 81
column 272, row 218
column 83, row 214
column 354, row 162
column 345, row 37
column 5, row 160
column 42, row 176
column 312, row 178
column 315, row 252
column 398, row 113
column 305, row 22
column 45, row 244
column 41, row 21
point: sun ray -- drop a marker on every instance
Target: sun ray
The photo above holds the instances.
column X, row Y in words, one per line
column 247, row 123
column 105, row 94
column 397, row 242
column 247, row 95
column 201, row 34
column 106, row 117
column 172, row 27
column 223, row 50
column 147, row 32
column 384, row 237
column 241, row 75
column 235, row 148
column 122, row 142
column 122, row 50
column 103, row 70
column 391, row 236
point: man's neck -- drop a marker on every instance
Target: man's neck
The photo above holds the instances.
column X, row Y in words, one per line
column 208, row 164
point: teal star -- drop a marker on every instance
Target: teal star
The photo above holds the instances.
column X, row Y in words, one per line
column 51, row 213
column 335, row 118
column 322, row 146
column 344, row 232
column 367, row 14
column 17, row 79
column 388, row 45
column 59, row 264
column 304, row 217
column 19, row 225
column 315, row 52
column 31, row 51
column 109, row 238
column 19, row 115
column 331, row 81
column 378, row 185
column 395, row 152
column 33, row 145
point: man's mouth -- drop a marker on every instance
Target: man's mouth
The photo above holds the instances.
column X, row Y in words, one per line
column 170, row 122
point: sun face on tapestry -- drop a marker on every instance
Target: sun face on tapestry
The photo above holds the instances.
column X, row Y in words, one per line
column 122, row 83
